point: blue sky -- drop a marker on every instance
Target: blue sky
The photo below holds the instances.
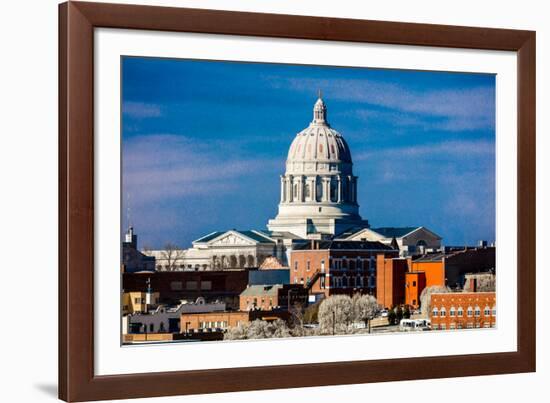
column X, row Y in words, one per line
column 204, row 143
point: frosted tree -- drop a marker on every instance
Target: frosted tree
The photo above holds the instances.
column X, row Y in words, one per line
column 336, row 315
column 365, row 307
column 425, row 297
column 237, row 332
column 258, row 329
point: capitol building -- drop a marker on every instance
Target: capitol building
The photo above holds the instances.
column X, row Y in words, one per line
column 318, row 200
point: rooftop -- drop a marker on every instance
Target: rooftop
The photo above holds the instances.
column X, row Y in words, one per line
column 267, row 290
column 344, row 245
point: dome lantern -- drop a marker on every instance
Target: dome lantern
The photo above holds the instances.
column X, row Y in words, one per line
column 320, row 111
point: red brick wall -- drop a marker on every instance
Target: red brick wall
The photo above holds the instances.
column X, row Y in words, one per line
column 390, row 281
column 463, row 300
column 299, row 272
column 414, row 284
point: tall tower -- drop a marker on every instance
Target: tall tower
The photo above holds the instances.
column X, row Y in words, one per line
column 318, row 189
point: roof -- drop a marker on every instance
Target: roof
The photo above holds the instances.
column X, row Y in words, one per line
column 258, row 236
column 397, row 232
column 431, row 257
column 210, row 236
column 259, row 290
column 347, row 245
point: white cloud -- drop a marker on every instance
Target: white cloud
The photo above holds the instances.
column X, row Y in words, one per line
column 140, row 110
column 461, row 109
column 161, row 167
column 459, row 148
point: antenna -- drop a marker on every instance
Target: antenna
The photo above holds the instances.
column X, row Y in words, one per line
column 128, row 211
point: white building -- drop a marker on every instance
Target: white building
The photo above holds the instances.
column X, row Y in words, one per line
column 318, row 189
column 318, row 201
column 410, row 240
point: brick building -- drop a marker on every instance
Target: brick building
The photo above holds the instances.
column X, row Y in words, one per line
column 463, row 310
column 338, row 267
column 224, row 285
column 390, row 281
column 272, row 297
column 211, row 321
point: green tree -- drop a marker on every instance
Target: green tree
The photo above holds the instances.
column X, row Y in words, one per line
column 398, row 313
column 391, row 316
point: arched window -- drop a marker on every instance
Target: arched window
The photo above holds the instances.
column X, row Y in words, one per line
column 460, row 311
column 477, row 311
column 487, row 311
column 494, row 311
column 470, row 311
column 443, row 312
column 452, row 311
column 435, row 311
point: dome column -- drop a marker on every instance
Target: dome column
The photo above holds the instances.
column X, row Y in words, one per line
column 339, row 189
column 326, row 189
column 282, row 189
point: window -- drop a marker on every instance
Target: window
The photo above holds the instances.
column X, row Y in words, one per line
column 295, row 280
column 176, row 286
column 452, row 326
column 478, row 325
column 322, row 279
column 137, row 300
column 477, row 311
column 151, row 327
column 206, row 285
column 487, row 311
column 494, row 311
column 191, row 285
column 434, row 312
column 308, row 265
column 323, row 265
column 414, row 283
column 459, row 325
column 452, row 311
column 443, row 312
column 414, row 302
column 460, row 312
column 125, row 307
column 470, row 312
column 470, row 326
column 443, row 326
column 295, row 265
column 435, row 327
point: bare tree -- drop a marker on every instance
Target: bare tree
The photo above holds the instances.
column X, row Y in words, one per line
column 486, row 283
column 365, row 307
column 297, row 320
column 336, row 315
column 171, row 255
column 426, row 297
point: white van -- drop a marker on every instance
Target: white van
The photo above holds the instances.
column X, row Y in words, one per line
column 408, row 325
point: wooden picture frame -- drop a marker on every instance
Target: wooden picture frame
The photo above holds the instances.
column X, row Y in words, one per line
column 77, row 21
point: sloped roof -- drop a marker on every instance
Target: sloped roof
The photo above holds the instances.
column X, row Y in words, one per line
column 397, row 232
column 210, row 236
column 261, row 290
column 252, row 234
column 348, row 245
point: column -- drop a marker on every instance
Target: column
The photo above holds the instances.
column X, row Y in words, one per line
column 289, row 189
column 339, row 189
column 282, row 189
column 326, row 189
column 313, row 185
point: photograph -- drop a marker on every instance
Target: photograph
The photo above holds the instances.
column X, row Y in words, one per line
column 266, row 200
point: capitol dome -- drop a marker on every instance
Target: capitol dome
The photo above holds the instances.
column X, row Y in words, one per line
column 318, row 189
column 319, row 142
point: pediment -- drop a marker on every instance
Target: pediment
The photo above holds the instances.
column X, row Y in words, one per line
column 232, row 238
